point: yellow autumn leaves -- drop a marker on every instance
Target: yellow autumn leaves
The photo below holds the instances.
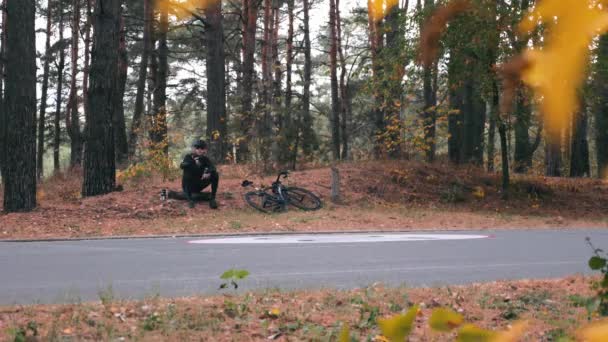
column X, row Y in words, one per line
column 398, row 327
column 378, row 9
column 557, row 70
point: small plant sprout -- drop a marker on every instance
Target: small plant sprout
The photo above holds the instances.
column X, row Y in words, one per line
column 231, row 277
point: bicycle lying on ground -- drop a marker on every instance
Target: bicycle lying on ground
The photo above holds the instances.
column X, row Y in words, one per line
column 277, row 197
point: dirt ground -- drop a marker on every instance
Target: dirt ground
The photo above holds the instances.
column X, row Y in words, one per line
column 376, row 196
column 553, row 308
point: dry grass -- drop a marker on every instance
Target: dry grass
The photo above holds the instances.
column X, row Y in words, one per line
column 553, row 307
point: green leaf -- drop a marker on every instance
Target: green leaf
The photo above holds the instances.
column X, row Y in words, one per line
column 596, row 263
column 228, row 274
column 241, row 274
column 444, row 320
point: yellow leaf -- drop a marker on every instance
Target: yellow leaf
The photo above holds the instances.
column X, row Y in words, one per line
column 275, row 312
column 557, row 70
column 378, row 9
column 444, row 320
column 479, row 192
column 398, row 327
column 597, row 332
column 344, row 334
column 472, row 333
column 380, row 338
column 512, row 335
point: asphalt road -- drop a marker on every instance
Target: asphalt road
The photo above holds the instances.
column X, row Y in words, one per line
column 70, row 271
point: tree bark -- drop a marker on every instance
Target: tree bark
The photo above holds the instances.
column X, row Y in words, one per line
column 20, row 103
column 3, row 122
column 601, row 107
column 72, row 118
column 250, row 17
column 345, row 107
column 87, row 61
column 333, row 66
column 429, row 115
column 216, row 91
column 375, row 42
column 44, row 95
column 141, row 81
column 120, row 133
column 264, row 125
column 308, row 135
column 100, row 157
column 158, row 128
column 59, row 96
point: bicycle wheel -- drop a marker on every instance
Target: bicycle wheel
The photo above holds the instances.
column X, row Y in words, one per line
column 302, row 198
column 264, row 202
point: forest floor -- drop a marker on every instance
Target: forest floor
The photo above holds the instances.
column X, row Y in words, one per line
column 379, row 196
column 553, row 309
column 376, row 196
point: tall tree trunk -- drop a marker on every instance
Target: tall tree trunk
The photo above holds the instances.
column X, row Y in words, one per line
column 345, row 108
column 87, row 60
column 601, row 107
column 429, row 116
column 216, row 91
column 308, row 134
column 141, row 81
column 44, row 95
column 375, row 42
column 579, row 152
column 20, row 103
column 504, row 153
column 335, row 97
column 264, row 126
column 120, row 128
column 250, row 17
column 72, row 118
column 3, row 122
column 288, row 129
column 158, row 128
column 59, row 96
column 100, row 158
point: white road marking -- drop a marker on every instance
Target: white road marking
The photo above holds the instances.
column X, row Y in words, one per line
column 336, row 238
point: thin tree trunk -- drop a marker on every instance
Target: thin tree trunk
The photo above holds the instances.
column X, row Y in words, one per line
column 345, row 108
column 20, row 103
column 120, row 133
column 44, row 95
column 308, row 134
column 504, row 153
column 335, row 96
column 72, row 119
column 158, row 128
column 429, row 116
column 264, row 129
column 250, row 17
column 141, row 81
column 59, row 96
column 492, row 133
column 100, row 158
column 375, row 37
column 216, row 91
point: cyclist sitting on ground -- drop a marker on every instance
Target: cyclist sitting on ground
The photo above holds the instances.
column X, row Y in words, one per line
column 199, row 172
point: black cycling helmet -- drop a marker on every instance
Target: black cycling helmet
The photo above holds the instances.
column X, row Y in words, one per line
column 200, row 144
